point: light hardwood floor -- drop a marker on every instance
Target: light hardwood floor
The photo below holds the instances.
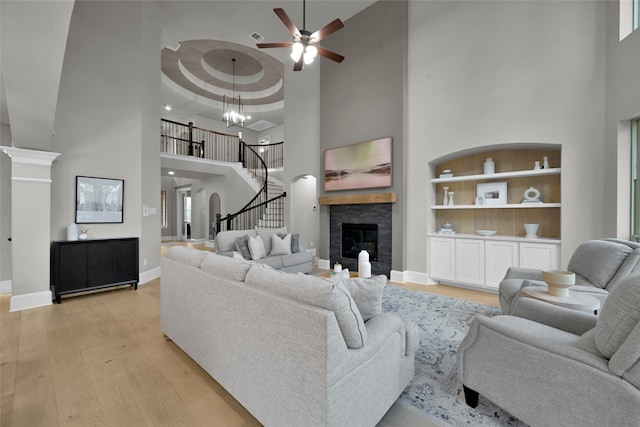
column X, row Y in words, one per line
column 101, row 360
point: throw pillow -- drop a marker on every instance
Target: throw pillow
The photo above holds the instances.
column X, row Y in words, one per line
column 367, row 293
column 242, row 246
column 256, row 247
column 280, row 245
column 295, row 242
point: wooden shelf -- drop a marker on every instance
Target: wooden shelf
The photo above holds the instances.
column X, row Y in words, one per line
column 510, row 206
column 358, row 199
column 498, row 175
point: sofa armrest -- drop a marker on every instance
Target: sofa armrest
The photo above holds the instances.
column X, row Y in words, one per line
column 523, row 273
column 565, row 319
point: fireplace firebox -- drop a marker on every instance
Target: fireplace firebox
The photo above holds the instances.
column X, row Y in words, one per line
column 356, row 237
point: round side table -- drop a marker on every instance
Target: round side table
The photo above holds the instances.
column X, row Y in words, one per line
column 574, row 301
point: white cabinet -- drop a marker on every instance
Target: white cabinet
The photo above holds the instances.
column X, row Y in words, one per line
column 539, row 255
column 499, row 256
column 442, row 257
column 471, row 268
column 483, row 261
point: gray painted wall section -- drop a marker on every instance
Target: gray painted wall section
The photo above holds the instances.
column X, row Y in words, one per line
column 363, row 98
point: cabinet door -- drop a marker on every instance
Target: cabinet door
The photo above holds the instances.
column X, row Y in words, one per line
column 125, row 268
column 540, row 256
column 101, row 256
column 470, row 261
column 499, row 256
column 442, row 258
column 72, row 263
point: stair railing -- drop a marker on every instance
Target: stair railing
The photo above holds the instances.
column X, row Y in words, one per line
column 189, row 140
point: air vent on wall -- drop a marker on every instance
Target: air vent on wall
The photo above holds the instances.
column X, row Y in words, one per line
column 257, row 37
column 173, row 46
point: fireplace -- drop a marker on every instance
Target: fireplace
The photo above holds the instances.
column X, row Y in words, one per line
column 372, row 215
column 357, row 237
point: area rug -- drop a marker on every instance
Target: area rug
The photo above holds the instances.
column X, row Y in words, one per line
column 435, row 391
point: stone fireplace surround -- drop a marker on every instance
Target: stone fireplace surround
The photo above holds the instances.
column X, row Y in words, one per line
column 371, row 213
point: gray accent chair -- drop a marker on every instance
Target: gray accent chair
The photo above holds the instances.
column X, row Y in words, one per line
column 599, row 266
column 549, row 365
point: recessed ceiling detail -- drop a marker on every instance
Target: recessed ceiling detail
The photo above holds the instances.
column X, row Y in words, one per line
column 203, row 67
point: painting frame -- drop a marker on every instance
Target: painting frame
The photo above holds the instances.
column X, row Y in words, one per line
column 99, row 200
column 493, row 193
column 366, row 164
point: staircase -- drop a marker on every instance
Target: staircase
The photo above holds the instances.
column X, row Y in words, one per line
column 266, row 208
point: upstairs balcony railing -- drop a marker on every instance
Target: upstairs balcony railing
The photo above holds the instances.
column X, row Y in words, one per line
column 188, row 140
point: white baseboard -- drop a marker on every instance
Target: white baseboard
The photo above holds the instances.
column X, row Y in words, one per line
column 149, row 275
column 411, row 276
column 5, row 286
column 32, row 300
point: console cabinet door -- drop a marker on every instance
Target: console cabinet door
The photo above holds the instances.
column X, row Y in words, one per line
column 499, row 256
column 72, row 262
column 470, row 261
column 442, row 258
column 541, row 256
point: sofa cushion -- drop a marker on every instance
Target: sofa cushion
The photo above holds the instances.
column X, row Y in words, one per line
column 265, row 234
column 242, row 246
column 256, row 247
column 295, row 242
column 315, row 291
column 187, row 256
column 226, row 267
column 618, row 316
column 226, row 240
column 367, row 293
column 272, row 261
column 597, row 261
column 280, row 245
column 296, row 259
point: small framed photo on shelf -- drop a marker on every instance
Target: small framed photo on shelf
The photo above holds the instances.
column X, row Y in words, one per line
column 493, row 193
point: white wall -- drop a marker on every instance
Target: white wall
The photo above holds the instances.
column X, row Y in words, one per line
column 5, row 208
column 107, row 118
column 305, row 211
column 623, row 104
column 486, row 72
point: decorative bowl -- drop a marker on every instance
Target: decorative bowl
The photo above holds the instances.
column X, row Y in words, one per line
column 559, row 281
column 486, row 232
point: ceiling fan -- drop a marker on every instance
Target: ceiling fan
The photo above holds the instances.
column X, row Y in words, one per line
column 304, row 44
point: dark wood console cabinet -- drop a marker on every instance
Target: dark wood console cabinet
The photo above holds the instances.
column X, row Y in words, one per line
column 85, row 265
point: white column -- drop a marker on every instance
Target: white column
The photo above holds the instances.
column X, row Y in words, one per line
column 30, row 226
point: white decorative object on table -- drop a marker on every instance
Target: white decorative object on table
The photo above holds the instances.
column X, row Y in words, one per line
column 537, row 166
column 486, row 232
column 446, row 173
column 364, row 266
column 451, row 203
column 559, row 281
column 445, row 199
column 479, row 200
column 545, row 163
column 531, row 230
column 489, row 166
column 337, row 267
column 72, row 232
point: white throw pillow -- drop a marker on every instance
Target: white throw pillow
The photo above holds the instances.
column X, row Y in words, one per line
column 256, row 247
column 280, row 246
column 367, row 293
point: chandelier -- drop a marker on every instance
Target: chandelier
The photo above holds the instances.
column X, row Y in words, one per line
column 232, row 106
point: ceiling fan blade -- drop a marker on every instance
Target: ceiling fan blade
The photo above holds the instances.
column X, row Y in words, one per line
column 270, row 45
column 298, row 65
column 327, row 30
column 329, row 54
column 287, row 22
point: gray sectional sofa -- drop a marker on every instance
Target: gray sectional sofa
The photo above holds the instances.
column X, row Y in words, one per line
column 297, row 261
column 293, row 349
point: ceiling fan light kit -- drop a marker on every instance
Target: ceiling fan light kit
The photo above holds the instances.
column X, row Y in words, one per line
column 303, row 47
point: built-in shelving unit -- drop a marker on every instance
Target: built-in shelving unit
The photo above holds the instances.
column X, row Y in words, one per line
column 516, row 168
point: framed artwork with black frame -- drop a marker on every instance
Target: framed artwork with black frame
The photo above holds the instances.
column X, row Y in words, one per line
column 99, row 200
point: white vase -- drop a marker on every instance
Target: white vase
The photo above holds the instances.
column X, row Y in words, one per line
column 545, row 162
column 531, row 230
column 445, row 199
column 364, row 266
column 72, row 232
column 451, row 203
column 489, row 166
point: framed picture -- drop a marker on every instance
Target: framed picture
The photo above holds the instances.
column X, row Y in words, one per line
column 362, row 165
column 493, row 193
column 99, row 200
